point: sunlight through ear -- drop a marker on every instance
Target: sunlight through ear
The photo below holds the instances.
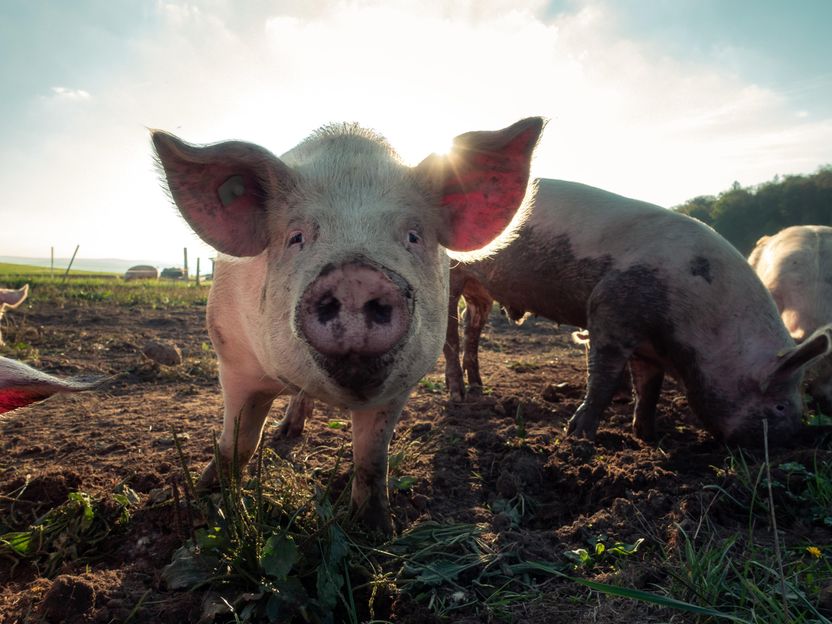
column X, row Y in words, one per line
column 443, row 149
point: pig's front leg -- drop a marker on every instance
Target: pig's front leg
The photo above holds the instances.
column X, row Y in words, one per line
column 372, row 430
column 647, row 385
column 299, row 409
column 248, row 400
column 606, row 363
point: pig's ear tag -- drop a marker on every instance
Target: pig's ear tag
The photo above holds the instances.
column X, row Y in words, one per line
column 233, row 188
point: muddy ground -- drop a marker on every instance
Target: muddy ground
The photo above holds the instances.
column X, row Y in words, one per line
column 506, row 444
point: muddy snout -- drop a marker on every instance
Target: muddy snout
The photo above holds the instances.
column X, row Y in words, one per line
column 353, row 316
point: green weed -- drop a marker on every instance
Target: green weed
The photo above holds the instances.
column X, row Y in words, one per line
column 432, row 386
column 70, row 532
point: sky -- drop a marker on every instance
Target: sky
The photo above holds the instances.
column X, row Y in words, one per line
column 662, row 100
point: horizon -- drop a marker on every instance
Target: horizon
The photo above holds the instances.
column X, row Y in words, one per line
column 658, row 101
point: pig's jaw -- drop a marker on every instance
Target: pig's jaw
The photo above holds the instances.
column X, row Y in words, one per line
column 359, row 377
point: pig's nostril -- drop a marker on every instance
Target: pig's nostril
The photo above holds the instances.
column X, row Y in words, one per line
column 327, row 309
column 377, row 312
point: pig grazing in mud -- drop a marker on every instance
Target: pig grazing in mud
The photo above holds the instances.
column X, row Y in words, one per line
column 796, row 266
column 658, row 291
column 10, row 298
column 21, row 385
column 333, row 274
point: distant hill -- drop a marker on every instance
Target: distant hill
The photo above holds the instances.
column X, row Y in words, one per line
column 104, row 265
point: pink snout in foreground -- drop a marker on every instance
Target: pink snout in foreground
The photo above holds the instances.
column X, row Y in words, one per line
column 354, row 315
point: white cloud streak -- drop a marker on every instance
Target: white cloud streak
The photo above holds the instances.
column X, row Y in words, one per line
column 74, row 95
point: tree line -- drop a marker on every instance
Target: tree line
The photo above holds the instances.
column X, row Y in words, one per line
column 744, row 214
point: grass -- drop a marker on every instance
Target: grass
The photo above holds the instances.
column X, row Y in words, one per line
column 741, row 578
column 8, row 270
column 73, row 531
column 154, row 294
column 284, row 546
column 96, row 287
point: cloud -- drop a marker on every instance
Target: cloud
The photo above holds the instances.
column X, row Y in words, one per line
column 625, row 114
column 74, row 95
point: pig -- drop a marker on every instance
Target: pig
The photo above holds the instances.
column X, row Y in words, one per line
column 10, row 299
column 332, row 277
column 658, row 291
column 796, row 266
column 21, row 385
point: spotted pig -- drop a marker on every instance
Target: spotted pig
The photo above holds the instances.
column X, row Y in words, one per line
column 659, row 292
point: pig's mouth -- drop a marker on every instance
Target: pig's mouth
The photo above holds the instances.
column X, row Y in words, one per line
column 362, row 375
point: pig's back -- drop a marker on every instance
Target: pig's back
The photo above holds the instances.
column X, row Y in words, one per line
column 576, row 236
column 796, row 265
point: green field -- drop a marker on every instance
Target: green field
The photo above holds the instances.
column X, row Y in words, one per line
column 8, row 269
column 99, row 287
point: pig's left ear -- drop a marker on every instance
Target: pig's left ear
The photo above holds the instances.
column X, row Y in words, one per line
column 481, row 182
column 222, row 190
column 21, row 385
column 803, row 355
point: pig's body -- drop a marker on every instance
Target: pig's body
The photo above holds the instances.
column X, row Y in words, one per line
column 796, row 266
column 656, row 289
column 334, row 277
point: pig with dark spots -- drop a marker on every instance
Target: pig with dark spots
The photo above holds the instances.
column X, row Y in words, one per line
column 658, row 292
column 332, row 278
column 21, row 385
column 796, row 266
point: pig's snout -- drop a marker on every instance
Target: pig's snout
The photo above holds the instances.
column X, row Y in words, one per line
column 355, row 310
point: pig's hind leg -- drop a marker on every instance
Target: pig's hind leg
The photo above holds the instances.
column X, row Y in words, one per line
column 299, row 409
column 477, row 307
column 454, row 381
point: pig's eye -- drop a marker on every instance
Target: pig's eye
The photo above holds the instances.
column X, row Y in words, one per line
column 780, row 407
column 295, row 238
column 413, row 237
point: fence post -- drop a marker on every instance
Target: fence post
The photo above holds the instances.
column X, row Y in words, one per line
column 71, row 260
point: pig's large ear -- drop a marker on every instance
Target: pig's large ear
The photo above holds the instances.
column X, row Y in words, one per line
column 21, row 385
column 481, row 182
column 222, row 190
column 803, row 355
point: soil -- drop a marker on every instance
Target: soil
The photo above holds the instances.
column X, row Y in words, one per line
column 507, row 444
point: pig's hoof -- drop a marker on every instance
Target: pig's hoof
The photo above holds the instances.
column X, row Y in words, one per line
column 457, row 396
column 378, row 522
column 579, row 428
column 289, row 429
column 475, row 392
column 646, row 433
column 208, row 479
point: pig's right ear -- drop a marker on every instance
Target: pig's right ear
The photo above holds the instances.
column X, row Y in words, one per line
column 804, row 355
column 481, row 182
column 223, row 189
